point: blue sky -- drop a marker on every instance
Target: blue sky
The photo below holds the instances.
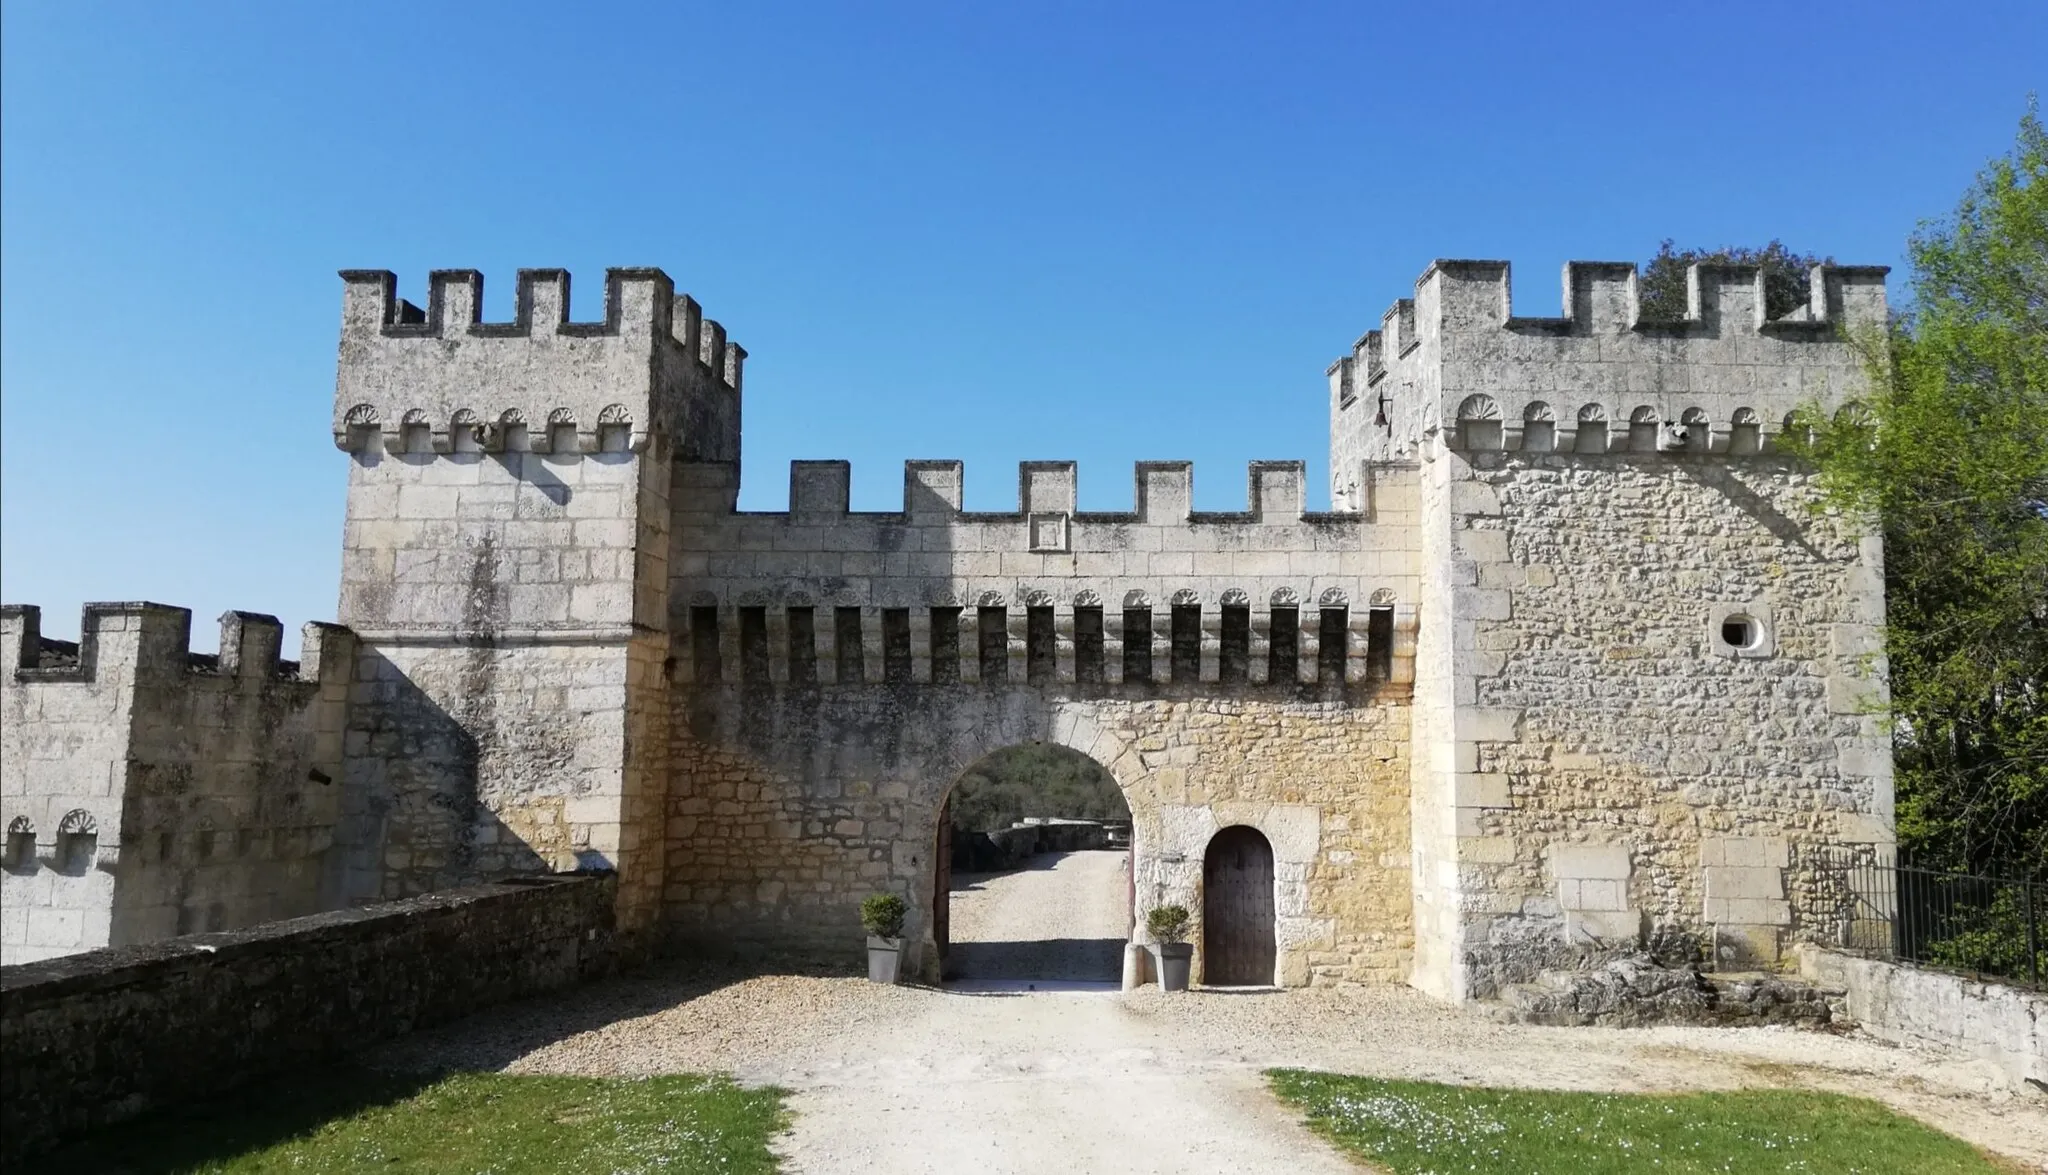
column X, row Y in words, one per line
column 1104, row 232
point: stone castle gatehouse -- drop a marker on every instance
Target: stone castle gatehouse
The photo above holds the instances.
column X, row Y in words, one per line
column 1571, row 661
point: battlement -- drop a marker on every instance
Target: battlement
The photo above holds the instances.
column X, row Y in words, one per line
column 1601, row 298
column 155, row 640
column 1457, row 365
column 1162, row 493
column 442, row 380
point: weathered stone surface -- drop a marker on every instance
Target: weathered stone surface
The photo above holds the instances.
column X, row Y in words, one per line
column 97, row 1037
column 2000, row 1023
column 1635, row 990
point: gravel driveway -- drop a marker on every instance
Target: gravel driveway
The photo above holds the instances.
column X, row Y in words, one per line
column 912, row 1080
column 1066, row 916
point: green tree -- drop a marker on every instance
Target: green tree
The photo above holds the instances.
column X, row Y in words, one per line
column 1951, row 459
column 1035, row 780
column 1660, row 288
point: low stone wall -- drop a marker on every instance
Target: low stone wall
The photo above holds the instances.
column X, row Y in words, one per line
column 93, row 1038
column 2007, row 1026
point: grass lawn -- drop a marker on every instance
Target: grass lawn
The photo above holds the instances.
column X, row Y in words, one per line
column 354, row 1120
column 1418, row 1127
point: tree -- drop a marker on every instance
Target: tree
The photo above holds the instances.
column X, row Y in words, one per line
column 1035, row 780
column 1660, row 289
column 1950, row 457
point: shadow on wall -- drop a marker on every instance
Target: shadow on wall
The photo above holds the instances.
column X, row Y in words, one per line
column 416, row 818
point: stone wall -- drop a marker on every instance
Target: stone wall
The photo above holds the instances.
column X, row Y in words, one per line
column 2003, row 1025
column 791, row 805
column 99, row 1037
column 151, row 791
column 1623, row 765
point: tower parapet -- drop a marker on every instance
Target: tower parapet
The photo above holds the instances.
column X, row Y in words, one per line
column 1457, row 368
column 442, row 380
column 159, row 791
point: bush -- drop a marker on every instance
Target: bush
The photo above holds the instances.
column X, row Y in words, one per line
column 1168, row 923
column 882, row 915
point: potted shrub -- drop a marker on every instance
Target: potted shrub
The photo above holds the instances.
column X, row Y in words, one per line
column 1169, row 925
column 881, row 915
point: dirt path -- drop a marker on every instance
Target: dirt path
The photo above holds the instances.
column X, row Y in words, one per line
column 1064, row 917
column 921, row 1080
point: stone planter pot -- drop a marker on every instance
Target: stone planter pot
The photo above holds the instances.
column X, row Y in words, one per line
column 885, row 959
column 1174, row 959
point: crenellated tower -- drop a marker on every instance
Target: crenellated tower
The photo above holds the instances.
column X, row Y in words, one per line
column 1645, row 665
column 506, row 562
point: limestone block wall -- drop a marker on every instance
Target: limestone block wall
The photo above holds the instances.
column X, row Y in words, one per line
column 2002, row 1025
column 150, row 791
column 1601, row 505
column 506, row 559
column 791, row 803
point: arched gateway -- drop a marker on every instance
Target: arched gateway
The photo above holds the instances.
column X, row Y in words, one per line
column 575, row 649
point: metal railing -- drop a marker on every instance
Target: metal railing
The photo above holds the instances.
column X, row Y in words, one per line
column 1870, row 902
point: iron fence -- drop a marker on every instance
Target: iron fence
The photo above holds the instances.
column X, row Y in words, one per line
column 1865, row 900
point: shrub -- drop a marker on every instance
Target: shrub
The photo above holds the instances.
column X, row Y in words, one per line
column 882, row 915
column 1168, row 923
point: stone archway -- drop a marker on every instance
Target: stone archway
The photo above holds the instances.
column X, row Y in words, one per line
column 1239, row 923
column 1040, row 836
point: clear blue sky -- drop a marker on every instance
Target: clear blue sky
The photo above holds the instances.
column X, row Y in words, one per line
column 996, row 232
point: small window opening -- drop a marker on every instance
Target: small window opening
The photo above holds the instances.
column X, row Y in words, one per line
column 1379, row 643
column 1539, row 436
column 1137, row 644
column 994, row 645
column 704, row 643
column 753, row 645
column 1041, row 658
column 1739, row 631
column 896, row 644
column 945, row 644
column 1283, row 654
column 1088, row 645
column 850, row 657
column 1234, row 652
column 1592, row 437
column 1187, row 642
column 1334, row 644
column 803, row 646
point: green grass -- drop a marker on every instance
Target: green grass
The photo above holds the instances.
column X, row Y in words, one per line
column 1421, row 1128
column 354, row 1120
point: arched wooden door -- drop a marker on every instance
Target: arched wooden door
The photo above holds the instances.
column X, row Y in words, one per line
column 1237, row 909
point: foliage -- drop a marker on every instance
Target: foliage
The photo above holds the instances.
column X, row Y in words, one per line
column 1410, row 1127
column 1168, row 923
column 1660, row 287
column 882, row 915
column 350, row 1120
column 1951, row 457
column 1992, row 939
column 1035, row 779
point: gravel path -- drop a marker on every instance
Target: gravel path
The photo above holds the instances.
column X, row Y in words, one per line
column 912, row 1080
column 1066, row 916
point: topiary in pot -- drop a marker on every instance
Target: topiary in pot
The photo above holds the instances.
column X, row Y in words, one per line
column 881, row 915
column 1169, row 925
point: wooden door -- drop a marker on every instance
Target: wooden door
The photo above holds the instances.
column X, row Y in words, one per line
column 1237, row 909
column 942, row 887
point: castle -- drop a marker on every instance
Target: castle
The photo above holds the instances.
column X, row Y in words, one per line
column 1572, row 662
